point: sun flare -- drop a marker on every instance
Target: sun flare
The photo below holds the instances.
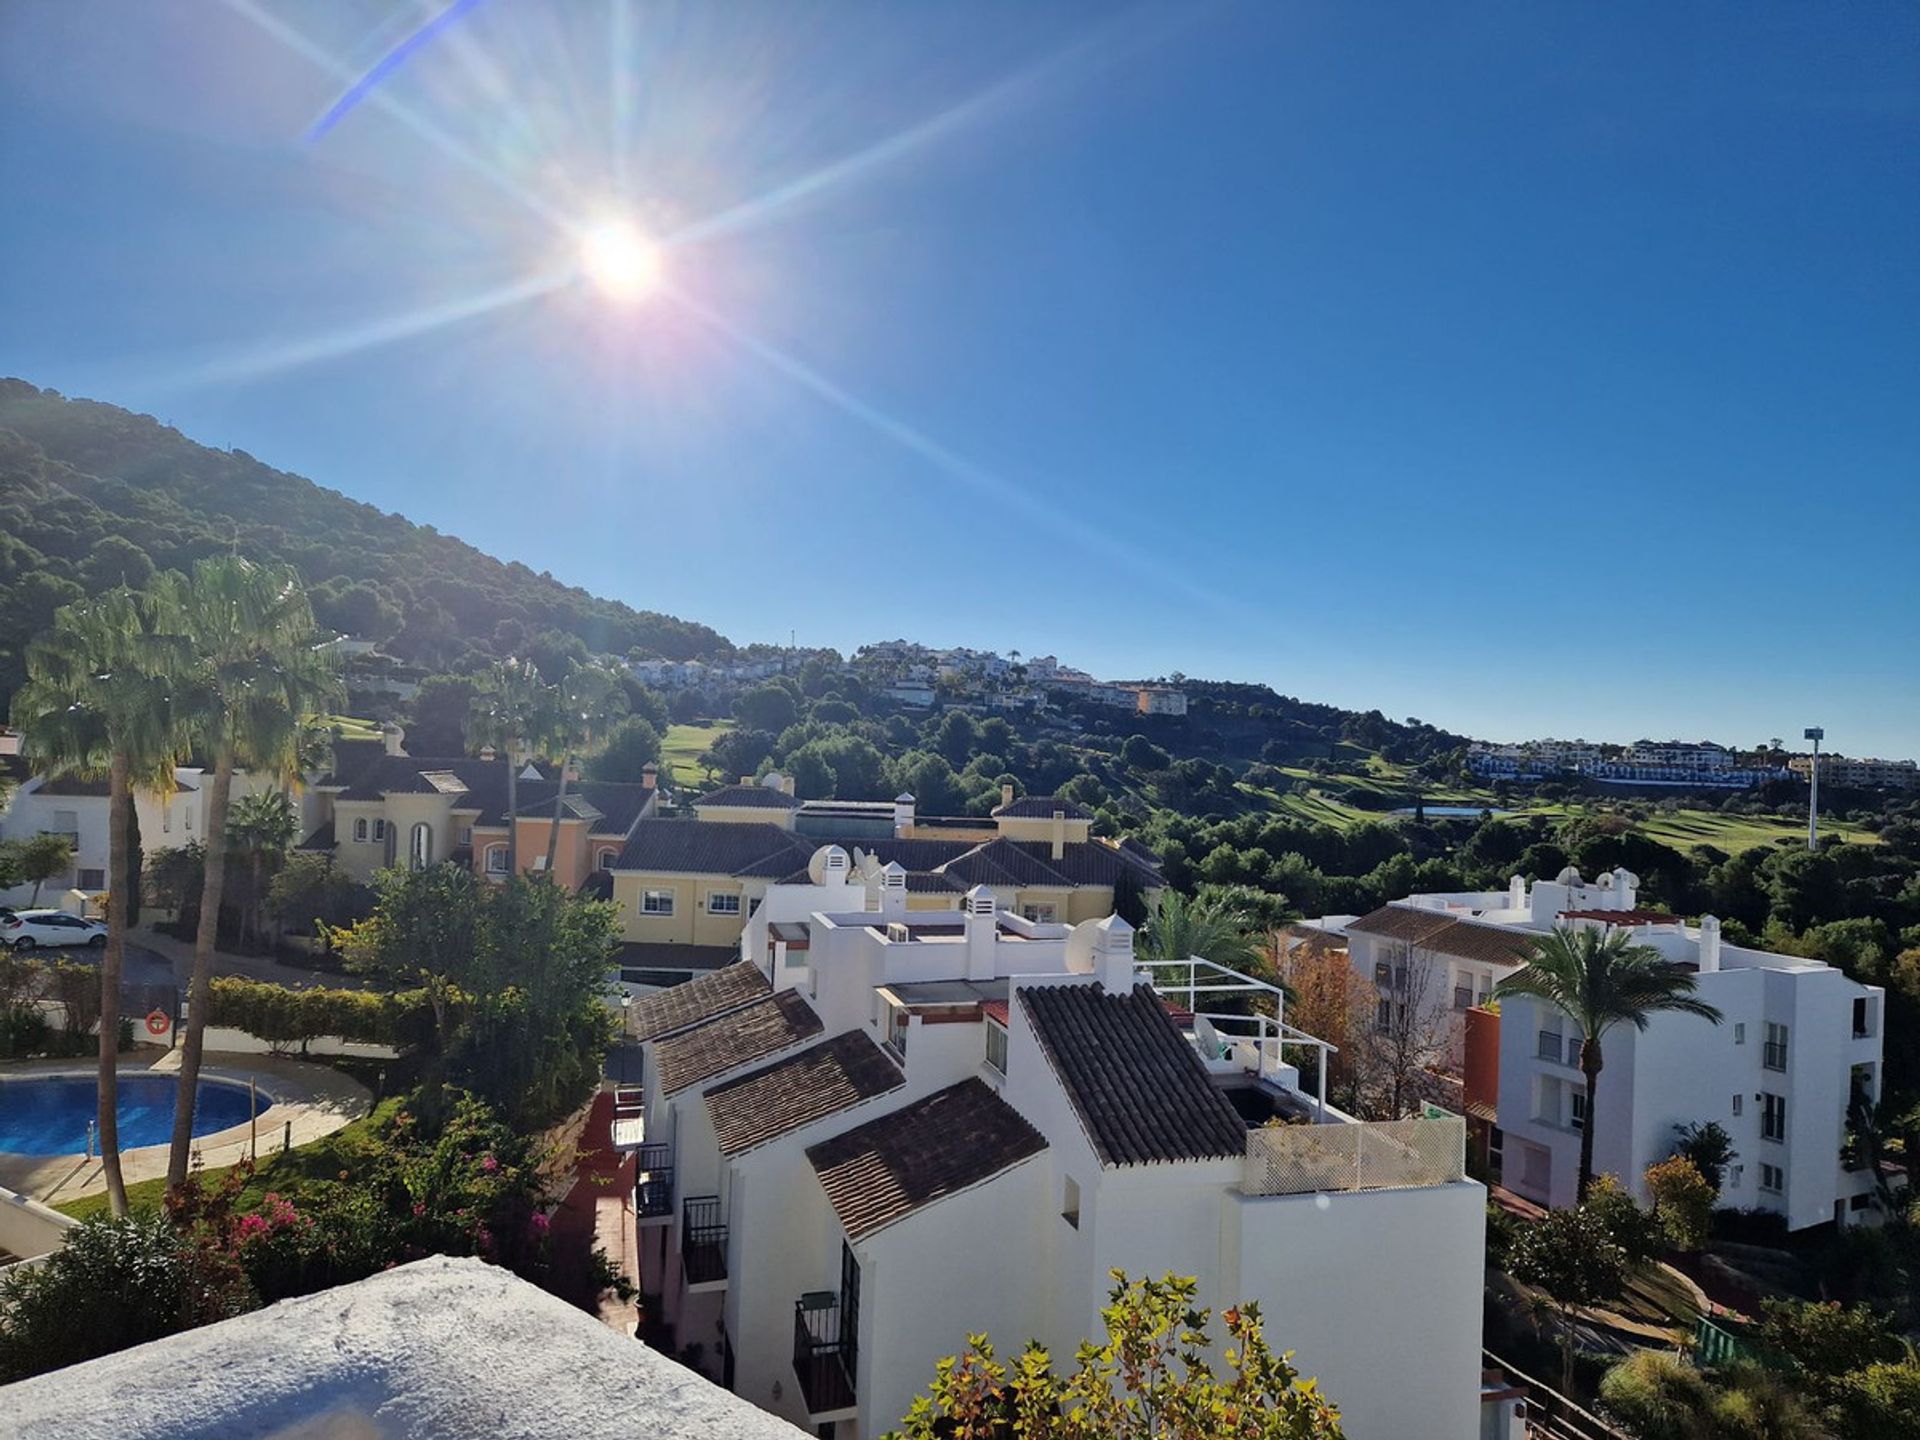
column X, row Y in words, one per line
column 623, row 263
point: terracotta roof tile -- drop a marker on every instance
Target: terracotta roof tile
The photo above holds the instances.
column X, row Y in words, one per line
column 1445, row 934
column 739, row 1037
column 1142, row 1094
column 1041, row 807
column 756, row 797
column 696, row 1002
column 954, row 1139
column 810, row 1085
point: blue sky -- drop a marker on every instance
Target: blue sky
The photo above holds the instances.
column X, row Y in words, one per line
column 1530, row 369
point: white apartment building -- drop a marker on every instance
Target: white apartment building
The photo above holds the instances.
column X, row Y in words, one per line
column 1847, row 771
column 887, row 1128
column 1778, row 1074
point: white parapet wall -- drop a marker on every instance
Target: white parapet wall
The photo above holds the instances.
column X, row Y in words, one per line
column 28, row 1229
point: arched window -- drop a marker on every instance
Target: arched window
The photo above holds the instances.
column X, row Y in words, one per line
column 604, row 861
column 420, row 852
column 496, row 860
column 360, row 830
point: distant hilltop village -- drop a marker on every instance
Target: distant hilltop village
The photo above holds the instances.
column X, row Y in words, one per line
column 921, row 676
column 1689, row 764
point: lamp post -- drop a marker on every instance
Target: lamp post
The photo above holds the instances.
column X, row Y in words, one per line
column 1816, row 734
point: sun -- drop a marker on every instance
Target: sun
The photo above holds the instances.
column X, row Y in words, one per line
column 619, row 260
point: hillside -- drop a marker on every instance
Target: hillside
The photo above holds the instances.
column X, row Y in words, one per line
column 91, row 494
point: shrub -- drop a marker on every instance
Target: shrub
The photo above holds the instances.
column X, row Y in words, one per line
column 1683, row 1200
column 283, row 1017
column 1637, row 1232
column 1659, row 1396
column 1882, row 1400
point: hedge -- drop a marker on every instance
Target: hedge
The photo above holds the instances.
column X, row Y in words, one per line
column 284, row 1017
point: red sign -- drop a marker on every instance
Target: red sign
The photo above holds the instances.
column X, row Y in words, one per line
column 158, row 1023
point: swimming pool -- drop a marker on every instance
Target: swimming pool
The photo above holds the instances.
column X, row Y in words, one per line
column 48, row 1114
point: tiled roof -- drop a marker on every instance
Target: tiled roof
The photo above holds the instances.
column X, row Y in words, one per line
column 613, row 808
column 756, row 797
column 1623, row 917
column 1042, row 807
column 484, row 782
column 696, row 1002
column 1142, row 1093
column 886, row 1169
column 818, row 1081
column 1001, row 862
column 673, row 955
column 321, row 839
column 1445, row 934
column 711, row 848
column 736, row 1038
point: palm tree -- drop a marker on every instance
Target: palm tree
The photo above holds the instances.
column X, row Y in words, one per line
column 590, row 701
column 508, row 711
column 99, row 700
column 1209, row 928
column 1600, row 978
column 256, row 676
column 263, row 827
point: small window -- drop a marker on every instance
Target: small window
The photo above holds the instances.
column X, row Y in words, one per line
column 1579, row 1115
column 187, row 816
column 1462, row 997
column 420, row 848
column 997, row 1046
column 1070, row 1203
column 604, row 860
column 1773, row 1054
column 93, row 880
column 1861, row 1202
column 1739, row 1102
column 1773, row 1117
column 1739, row 1033
column 496, row 860
column 656, row 902
column 1735, row 1175
column 379, row 829
column 1383, row 1016
column 897, row 1030
column 1773, row 1179
column 1382, row 973
column 723, row 902
column 1043, row 913
column 1862, row 1019
column 360, row 831
column 466, row 834
column 753, row 905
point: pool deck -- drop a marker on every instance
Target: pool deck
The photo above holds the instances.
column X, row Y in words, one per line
column 314, row 1100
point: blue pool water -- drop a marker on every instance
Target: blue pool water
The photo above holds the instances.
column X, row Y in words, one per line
column 48, row 1116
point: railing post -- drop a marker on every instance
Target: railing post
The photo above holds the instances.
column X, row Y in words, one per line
column 1320, row 1098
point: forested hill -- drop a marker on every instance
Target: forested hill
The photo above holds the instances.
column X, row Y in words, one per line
column 91, row 494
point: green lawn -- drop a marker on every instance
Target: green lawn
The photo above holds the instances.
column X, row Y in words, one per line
column 680, row 751
column 352, row 728
column 324, row 1159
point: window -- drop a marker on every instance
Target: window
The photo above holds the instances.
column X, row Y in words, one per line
column 997, row 1046
column 1773, row 1178
column 496, row 860
column 1399, row 977
column 1486, row 988
column 656, row 902
column 1861, row 1202
column 1734, row 1176
column 420, row 847
column 723, row 902
column 1462, row 997
column 1773, row 1054
column 1862, row 1019
column 897, row 1027
column 93, row 880
column 604, row 860
column 1070, row 1203
column 360, row 831
column 1738, row 1102
column 1579, row 1110
column 1773, row 1117
column 1739, row 1033
column 1383, row 1016
column 1038, row 912
column 1549, row 1041
column 187, row 816
column 379, row 829
column 753, row 905
column 1382, row 973
column 466, row 834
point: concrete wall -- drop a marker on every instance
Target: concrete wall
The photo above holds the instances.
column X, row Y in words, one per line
column 29, row 1229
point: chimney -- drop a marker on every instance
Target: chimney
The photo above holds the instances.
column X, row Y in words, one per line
column 395, row 738
column 786, row 785
column 1059, row 834
column 748, row 780
column 572, row 771
column 1709, row 944
column 982, row 928
column 893, row 889
column 1626, row 888
column 1113, row 955
column 902, row 815
column 1006, row 793
column 649, row 775
column 1517, row 893
column 487, row 752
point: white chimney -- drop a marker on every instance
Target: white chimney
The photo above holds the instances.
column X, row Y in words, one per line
column 1006, row 793
column 893, row 889
column 786, row 785
column 1059, row 834
column 395, row 738
column 649, row 775
column 982, row 928
column 1517, row 893
column 1709, row 944
column 1113, row 955
column 902, row 815
column 1626, row 888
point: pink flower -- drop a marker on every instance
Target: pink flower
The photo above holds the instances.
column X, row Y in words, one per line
column 253, row 1226
column 418, row 1209
column 489, row 1164
column 538, row 1223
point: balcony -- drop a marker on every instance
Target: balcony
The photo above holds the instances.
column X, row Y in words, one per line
column 703, row 1242
column 653, row 1183
column 824, row 1359
column 1357, row 1155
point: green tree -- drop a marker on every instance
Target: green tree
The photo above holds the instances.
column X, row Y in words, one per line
column 1709, row 1147
column 252, row 675
column 99, row 700
column 262, row 829
column 1151, row 1378
column 587, row 702
column 43, row 858
column 632, row 745
column 1573, row 1259
column 768, row 707
column 509, row 708
column 423, row 935
column 311, row 889
column 1601, row 979
column 174, row 876
column 1683, row 1199
column 1212, row 927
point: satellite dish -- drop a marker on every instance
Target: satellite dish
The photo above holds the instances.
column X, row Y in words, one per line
column 1080, row 947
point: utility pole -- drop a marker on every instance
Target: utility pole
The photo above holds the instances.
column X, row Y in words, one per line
column 1816, row 734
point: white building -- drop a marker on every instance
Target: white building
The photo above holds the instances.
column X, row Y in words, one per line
column 887, row 1128
column 1778, row 1074
column 1849, row 772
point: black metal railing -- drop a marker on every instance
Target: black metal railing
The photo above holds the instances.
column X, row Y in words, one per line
column 823, row 1352
column 653, row 1182
column 703, row 1240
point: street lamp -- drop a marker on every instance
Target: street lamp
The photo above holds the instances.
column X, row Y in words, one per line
column 1816, row 734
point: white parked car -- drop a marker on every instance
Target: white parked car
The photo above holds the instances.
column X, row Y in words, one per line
column 25, row 929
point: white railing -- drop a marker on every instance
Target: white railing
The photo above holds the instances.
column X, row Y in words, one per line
column 1256, row 1042
column 1362, row 1155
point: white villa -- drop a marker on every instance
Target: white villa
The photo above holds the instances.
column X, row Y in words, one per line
column 1798, row 1038
column 886, row 1128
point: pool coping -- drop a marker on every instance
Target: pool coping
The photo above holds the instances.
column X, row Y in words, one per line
column 308, row 1102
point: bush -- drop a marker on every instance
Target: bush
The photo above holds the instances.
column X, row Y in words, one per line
column 283, row 1017
column 1882, row 1400
column 1658, row 1396
column 23, row 1031
column 1683, row 1200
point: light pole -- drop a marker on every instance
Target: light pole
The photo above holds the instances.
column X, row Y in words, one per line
column 1816, row 734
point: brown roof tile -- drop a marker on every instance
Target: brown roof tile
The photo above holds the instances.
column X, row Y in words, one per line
column 1141, row 1092
column 696, row 1002
column 737, row 1038
column 1445, row 934
column 886, row 1169
column 818, row 1081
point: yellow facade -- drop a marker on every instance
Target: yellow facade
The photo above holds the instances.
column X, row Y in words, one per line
column 693, row 920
